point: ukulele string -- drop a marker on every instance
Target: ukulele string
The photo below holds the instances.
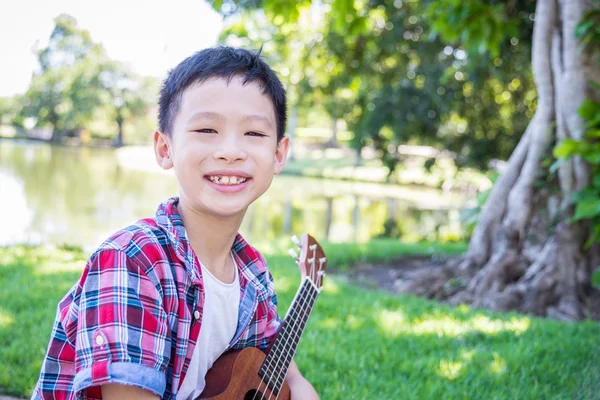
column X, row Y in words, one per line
column 311, row 298
column 285, row 352
column 319, row 277
column 268, row 366
column 301, row 304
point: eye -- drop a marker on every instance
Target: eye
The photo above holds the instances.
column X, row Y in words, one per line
column 255, row 134
column 205, row 130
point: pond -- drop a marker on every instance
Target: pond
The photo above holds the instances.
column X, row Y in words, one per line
column 79, row 196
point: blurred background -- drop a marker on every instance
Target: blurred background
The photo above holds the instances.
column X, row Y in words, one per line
column 403, row 116
column 401, row 134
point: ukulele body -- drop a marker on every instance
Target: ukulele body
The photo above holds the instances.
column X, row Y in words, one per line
column 234, row 376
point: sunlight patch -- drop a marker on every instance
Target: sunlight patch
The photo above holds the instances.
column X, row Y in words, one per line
column 6, row 319
column 391, row 321
column 353, row 322
column 449, row 369
column 449, row 326
column 498, row 365
column 329, row 286
column 330, row 323
column 484, row 324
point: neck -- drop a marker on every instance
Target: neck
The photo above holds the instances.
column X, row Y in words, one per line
column 274, row 368
column 210, row 236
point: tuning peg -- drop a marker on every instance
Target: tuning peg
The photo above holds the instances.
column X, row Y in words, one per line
column 322, row 259
column 295, row 240
column 293, row 253
column 313, row 247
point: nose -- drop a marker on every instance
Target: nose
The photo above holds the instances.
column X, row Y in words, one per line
column 230, row 149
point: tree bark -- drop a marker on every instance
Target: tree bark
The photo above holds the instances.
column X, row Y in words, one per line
column 524, row 253
column 333, row 142
column 120, row 132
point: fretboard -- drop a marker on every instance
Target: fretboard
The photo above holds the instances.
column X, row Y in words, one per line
column 277, row 362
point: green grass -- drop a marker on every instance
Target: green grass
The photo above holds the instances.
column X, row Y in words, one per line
column 359, row 344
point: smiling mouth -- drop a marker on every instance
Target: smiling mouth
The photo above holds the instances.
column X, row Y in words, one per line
column 227, row 180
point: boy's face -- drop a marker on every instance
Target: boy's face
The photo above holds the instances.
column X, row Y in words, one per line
column 223, row 146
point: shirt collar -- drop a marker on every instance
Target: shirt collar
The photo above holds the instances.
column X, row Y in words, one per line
column 249, row 260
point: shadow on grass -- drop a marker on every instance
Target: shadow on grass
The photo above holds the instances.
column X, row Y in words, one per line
column 358, row 344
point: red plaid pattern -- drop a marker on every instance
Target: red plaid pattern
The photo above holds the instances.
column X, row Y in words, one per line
column 132, row 317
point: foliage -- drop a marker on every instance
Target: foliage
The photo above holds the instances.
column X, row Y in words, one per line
column 77, row 81
column 67, row 88
column 127, row 95
column 470, row 216
column 358, row 343
column 587, row 201
column 423, row 88
column 7, row 109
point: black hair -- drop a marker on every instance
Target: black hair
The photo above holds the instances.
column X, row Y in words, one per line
column 220, row 62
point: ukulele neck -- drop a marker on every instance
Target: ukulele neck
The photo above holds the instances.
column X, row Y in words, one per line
column 274, row 368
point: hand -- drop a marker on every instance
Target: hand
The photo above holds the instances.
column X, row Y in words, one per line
column 300, row 388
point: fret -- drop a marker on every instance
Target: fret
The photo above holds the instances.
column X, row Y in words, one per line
column 277, row 362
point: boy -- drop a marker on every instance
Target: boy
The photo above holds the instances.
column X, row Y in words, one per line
column 161, row 300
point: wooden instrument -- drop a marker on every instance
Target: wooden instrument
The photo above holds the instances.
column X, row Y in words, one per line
column 249, row 374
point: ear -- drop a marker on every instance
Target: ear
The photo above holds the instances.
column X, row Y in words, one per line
column 281, row 154
column 162, row 150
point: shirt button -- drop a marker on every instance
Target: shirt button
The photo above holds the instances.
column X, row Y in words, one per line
column 99, row 340
column 197, row 314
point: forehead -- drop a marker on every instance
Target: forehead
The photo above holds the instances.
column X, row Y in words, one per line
column 232, row 98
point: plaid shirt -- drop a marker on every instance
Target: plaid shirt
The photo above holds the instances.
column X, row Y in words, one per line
column 135, row 314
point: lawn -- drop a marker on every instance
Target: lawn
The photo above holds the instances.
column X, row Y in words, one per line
column 359, row 344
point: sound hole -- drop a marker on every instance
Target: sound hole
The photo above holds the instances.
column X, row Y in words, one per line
column 254, row 395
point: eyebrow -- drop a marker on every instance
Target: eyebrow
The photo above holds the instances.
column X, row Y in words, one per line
column 220, row 117
column 257, row 117
column 207, row 115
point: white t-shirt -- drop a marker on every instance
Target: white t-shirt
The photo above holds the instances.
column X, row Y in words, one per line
column 219, row 323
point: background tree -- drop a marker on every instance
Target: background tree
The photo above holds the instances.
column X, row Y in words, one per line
column 65, row 91
column 8, row 109
column 128, row 95
column 526, row 252
column 377, row 66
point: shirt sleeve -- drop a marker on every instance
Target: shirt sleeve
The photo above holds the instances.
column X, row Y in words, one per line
column 122, row 330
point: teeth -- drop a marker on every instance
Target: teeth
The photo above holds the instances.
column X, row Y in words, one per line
column 227, row 180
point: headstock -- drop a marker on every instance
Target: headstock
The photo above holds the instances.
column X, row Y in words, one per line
column 311, row 261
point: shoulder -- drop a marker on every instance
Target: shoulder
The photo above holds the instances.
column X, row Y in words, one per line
column 141, row 244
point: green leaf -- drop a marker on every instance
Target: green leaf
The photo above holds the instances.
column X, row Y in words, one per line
column 596, row 277
column 217, row 4
column 583, row 28
column 589, row 110
column 566, row 148
column 593, row 133
column 587, row 208
column 592, row 157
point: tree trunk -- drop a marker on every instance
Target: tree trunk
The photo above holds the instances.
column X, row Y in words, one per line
column 57, row 132
column 524, row 254
column 120, row 132
column 333, row 142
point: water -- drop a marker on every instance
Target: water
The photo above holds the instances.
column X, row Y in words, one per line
column 79, row 196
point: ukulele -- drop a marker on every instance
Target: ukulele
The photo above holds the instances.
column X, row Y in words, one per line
column 250, row 374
